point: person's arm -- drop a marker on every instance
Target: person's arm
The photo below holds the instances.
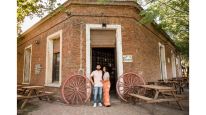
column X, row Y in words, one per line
column 91, row 80
column 107, row 78
column 92, row 76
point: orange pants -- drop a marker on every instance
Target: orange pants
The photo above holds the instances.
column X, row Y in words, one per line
column 106, row 88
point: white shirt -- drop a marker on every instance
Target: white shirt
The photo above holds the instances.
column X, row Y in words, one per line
column 97, row 78
column 106, row 76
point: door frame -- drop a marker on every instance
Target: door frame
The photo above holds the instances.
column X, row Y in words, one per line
column 173, row 65
column 28, row 47
column 118, row 47
column 163, row 64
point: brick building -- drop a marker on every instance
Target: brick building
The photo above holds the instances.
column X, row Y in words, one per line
column 75, row 37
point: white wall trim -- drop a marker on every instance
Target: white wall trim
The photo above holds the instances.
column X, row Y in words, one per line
column 173, row 64
column 163, row 59
column 179, row 70
column 49, row 59
column 118, row 46
column 28, row 47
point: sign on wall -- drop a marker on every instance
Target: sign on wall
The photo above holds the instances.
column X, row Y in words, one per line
column 127, row 58
column 37, row 69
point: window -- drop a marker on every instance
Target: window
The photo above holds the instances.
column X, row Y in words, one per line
column 27, row 65
column 163, row 69
column 56, row 60
column 53, row 60
column 173, row 64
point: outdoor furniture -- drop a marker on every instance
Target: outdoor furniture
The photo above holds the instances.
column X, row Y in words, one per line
column 30, row 92
column 177, row 83
column 182, row 82
column 165, row 91
column 169, row 83
column 19, row 86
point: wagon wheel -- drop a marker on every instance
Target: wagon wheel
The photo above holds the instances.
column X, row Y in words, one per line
column 76, row 90
column 127, row 83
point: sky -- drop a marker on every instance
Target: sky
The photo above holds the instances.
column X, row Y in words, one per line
column 29, row 22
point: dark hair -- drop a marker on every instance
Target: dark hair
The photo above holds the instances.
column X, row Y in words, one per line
column 105, row 68
column 98, row 64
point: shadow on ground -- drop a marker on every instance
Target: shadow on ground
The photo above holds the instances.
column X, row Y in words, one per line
column 36, row 107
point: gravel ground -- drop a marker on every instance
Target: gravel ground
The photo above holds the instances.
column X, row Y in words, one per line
column 36, row 107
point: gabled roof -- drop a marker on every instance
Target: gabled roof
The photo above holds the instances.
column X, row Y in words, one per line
column 70, row 2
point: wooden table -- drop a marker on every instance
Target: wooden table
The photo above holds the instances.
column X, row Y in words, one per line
column 158, row 90
column 19, row 86
column 33, row 91
column 168, row 83
column 181, row 83
column 177, row 84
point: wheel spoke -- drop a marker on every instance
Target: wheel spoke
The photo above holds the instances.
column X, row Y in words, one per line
column 128, row 85
column 82, row 86
column 72, row 84
column 81, row 82
column 73, row 99
column 80, row 97
column 70, row 97
column 125, row 91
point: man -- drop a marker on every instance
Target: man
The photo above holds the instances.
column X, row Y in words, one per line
column 97, row 83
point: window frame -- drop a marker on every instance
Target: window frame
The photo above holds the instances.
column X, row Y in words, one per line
column 49, row 60
column 28, row 47
column 163, row 64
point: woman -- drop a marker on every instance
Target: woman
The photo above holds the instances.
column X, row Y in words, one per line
column 106, row 87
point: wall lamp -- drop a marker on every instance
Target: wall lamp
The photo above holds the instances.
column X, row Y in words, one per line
column 104, row 25
column 37, row 42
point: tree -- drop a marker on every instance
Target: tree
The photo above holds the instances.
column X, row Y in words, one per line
column 173, row 17
column 31, row 8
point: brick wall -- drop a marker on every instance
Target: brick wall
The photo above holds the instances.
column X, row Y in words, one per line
column 137, row 40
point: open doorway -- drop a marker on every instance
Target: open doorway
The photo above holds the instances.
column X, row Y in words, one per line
column 106, row 57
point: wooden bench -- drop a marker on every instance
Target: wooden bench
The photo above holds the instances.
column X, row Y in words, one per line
column 21, row 97
column 178, row 96
column 163, row 100
column 160, row 90
column 40, row 95
column 47, row 92
column 151, row 100
column 141, row 97
column 20, row 90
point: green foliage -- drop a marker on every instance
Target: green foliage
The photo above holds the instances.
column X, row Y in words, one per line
column 173, row 17
column 33, row 7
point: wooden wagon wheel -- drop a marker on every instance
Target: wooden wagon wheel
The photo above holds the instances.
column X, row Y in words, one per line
column 76, row 90
column 127, row 83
